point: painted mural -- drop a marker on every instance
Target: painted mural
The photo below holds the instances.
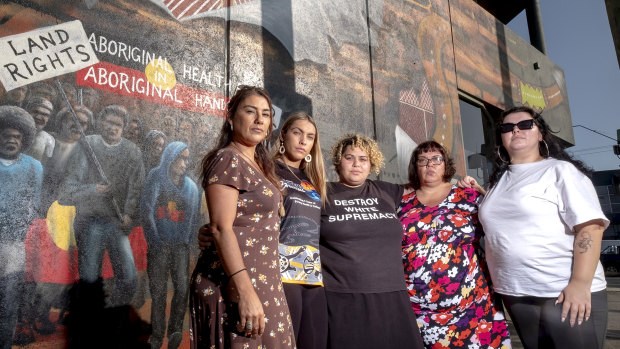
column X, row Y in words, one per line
column 107, row 97
column 416, row 96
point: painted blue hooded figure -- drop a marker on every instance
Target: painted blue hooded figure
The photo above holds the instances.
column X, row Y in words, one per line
column 168, row 212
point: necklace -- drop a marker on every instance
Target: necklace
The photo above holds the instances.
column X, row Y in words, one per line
column 352, row 186
column 281, row 211
column 291, row 171
column 250, row 161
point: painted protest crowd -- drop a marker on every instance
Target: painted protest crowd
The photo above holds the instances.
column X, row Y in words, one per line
column 99, row 205
column 63, row 223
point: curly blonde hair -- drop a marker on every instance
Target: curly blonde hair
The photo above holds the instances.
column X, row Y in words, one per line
column 365, row 143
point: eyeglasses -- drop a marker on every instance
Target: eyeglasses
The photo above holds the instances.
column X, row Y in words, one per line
column 435, row 160
column 522, row 125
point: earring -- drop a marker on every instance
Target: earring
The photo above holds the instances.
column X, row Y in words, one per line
column 546, row 147
column 231, row 126
column 499, row 155
column 308, row 158
column 281, row 150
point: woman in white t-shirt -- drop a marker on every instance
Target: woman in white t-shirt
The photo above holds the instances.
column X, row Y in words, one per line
column 544, row 225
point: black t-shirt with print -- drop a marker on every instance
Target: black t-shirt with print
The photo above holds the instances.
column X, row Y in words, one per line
column 299, row 229
column 361, row 238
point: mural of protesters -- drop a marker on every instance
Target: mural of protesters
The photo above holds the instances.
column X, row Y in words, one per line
column 98, row 225
column 169, row 127
column 90, row 98
column 205, row 132
column 21, row 177
column 169, row 208
column 66, row 140
column 42, row 89
column 135, row 131
column 14, row 97
column 43, row 146
column 152, row 148
column 48, row 240
column 70, row 91
column 52, row 263
column 185, row 132
column 45, row 90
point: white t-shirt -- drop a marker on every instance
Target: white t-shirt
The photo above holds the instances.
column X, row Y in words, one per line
column 528, row 219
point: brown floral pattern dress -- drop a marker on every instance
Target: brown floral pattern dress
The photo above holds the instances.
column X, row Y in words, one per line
column 257, row 227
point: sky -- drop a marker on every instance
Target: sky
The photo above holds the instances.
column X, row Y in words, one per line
column 579, row 40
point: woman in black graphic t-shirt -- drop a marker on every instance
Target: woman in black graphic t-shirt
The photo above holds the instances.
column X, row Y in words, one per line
column 299, row 164
column 360, row 246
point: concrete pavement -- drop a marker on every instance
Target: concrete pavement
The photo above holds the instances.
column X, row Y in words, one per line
column 612, row 340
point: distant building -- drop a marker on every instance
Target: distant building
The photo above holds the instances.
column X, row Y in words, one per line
column 607, row 185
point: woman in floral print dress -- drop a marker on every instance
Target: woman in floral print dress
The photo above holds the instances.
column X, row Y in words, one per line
column 237, row 300
column 446, row 276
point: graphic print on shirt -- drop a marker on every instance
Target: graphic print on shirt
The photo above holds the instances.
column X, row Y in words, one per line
column 171, row 206
column 359, row 210
column 303, row 187
column 310, row 191
column 299, row 233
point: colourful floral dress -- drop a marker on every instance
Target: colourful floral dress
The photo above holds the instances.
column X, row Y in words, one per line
column 446, row 276
column 257, row 227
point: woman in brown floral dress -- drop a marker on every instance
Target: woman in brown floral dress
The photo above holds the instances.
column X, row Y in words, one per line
column 236, row 297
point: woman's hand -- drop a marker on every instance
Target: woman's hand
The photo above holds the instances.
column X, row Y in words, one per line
column 205, row 237
column 408, row 189
column 251, row 314
column 576, row 302
column 470, row 182
column 575, row 298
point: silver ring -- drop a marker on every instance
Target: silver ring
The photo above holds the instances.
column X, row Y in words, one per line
column 248, row 325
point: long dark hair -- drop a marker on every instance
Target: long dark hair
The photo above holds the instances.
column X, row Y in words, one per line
column 548, row 147
column 450, row 169
column 261, row 154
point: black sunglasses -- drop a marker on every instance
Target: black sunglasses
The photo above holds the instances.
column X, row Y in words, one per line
column 522, row 125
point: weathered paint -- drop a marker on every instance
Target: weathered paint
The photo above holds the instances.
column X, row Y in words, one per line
column 391, row 69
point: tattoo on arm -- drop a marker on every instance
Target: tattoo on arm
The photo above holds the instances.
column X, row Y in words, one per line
column 584, row 242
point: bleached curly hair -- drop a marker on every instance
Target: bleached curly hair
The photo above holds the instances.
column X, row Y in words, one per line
column 358, row 141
